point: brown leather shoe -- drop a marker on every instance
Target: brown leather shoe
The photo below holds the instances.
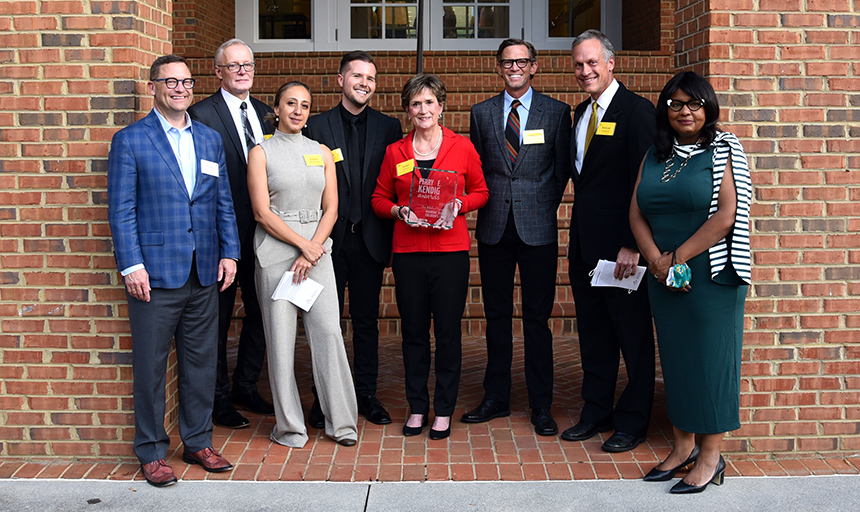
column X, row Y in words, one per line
column 158, row 473
column 211, row 460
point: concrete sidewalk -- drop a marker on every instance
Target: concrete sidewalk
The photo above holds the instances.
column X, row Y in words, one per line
column 811, row 493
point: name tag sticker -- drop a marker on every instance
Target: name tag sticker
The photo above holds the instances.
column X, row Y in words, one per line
column 533, row 137
column 209, row 168
column 605, row 129
column 337, row 154
column 314, row 160
column 405, row 167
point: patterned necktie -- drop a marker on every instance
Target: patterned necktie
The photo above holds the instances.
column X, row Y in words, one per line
column 249, row 133
column 592, row 126
column 512, row 131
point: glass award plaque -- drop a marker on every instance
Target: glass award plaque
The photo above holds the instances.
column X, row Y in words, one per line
column 431, row 200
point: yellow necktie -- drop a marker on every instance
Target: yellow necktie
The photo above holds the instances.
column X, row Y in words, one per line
column 592, row 126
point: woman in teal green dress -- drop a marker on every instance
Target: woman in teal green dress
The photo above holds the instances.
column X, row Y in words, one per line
column 690, row 217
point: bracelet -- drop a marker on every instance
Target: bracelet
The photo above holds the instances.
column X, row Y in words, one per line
column 399, row 214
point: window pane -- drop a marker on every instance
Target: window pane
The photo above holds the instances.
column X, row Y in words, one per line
column 476, row 19
column 386, row 19
column 285, row 19
column 567, row 18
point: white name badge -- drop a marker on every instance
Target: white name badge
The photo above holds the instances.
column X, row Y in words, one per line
column 209, row 168
column 533, row 137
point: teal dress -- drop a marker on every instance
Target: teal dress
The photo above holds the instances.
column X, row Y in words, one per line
column 699, row 333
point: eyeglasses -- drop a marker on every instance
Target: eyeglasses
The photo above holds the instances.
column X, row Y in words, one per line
column 509, row 63
column 693, row 105
column 171, row 82
column 234, row 68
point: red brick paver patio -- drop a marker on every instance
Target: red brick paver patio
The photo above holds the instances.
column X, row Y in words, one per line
column 505, row 449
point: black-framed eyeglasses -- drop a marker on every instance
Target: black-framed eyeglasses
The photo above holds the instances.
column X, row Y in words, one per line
column 171, row 82
column 509, row 63
column 693, row 105
column 234, row 67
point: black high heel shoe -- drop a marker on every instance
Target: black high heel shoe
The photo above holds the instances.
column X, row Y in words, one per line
column 683, row 487
column 440, row 434
column 414, row 431
column 657, row 475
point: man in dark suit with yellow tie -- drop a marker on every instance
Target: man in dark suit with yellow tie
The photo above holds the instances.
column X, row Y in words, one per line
column 522, row 137
column 239, row 118
column 611, row 132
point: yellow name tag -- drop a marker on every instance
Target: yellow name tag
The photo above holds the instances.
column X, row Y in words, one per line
column 605, row 129
column 405, row 167
column 314, row 160
column 267, row 136
column 533, row 137
column 337, row 154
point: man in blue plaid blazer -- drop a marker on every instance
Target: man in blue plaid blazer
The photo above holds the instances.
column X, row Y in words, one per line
column 174, row 235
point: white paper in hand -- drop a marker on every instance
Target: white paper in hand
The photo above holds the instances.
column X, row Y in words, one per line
column 604, row 275
column 302, row 295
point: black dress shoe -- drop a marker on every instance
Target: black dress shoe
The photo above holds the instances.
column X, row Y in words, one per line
column 372, row 409
column 252, row 401
column 543, row 422
column 658, row 475
column 584, row 430
column 225, row 415
column 683, row 487
column 621, row 442
column 414, row 431
column 316, row 418
column 487, row 410
column 440, row 434
column 346, row 442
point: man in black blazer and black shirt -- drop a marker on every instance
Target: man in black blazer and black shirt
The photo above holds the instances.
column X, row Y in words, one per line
column 612, row 130
column 358, row 136
column 239, row 118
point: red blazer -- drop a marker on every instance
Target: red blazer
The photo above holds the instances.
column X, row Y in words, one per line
column 456, row 154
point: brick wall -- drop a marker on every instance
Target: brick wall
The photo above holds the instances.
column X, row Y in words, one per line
column 70, row 75
column 787, row 78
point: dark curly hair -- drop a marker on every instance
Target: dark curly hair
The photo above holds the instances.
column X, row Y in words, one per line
column 695, row 86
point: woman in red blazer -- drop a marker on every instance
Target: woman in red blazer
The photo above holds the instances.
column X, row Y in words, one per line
column 431, row 263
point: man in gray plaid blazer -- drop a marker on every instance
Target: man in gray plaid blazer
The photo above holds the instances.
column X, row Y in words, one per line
column 522, row 137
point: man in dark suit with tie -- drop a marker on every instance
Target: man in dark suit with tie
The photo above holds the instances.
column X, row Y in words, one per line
column 527, row 171
column 612, row 131
column 174, row 237
column 239, row 118
column 358, row 136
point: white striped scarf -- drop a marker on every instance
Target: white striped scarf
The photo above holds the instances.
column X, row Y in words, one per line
column 726, row 144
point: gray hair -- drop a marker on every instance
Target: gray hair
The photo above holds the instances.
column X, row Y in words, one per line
column 608, row 49
column 232, row 42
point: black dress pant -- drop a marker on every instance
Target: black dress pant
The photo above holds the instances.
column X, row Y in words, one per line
column 431, row 284
column 355, row 267
column 611, row 321
column 252, row 339
column 537, row 264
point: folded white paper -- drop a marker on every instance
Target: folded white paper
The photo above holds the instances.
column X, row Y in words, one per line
column 604, row 275
column 302, row 295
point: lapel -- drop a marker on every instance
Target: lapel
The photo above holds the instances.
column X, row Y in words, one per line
column 369, row 141
column 535, row 122
column 229, row 124
column 260, row 108
column 199, row 154
column 159, row 141
column 335, row 124
column 616, row 108
column 497, row 112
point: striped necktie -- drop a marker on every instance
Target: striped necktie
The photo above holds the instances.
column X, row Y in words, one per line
column 512, row 131
column 250, row 141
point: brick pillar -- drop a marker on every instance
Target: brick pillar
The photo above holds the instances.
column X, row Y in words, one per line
column 787, row 78
column 71, row 74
